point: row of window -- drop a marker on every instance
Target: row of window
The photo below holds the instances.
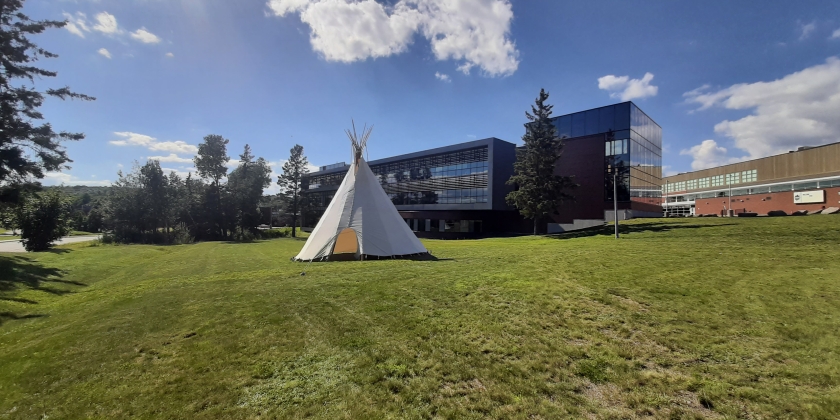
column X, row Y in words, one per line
column 800, row 186
column 618, row 117
column 449, row 226
column 733, row 178
column 415, row 174
column 462, row 196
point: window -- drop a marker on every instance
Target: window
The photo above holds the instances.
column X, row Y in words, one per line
column 717, row 181
column 692, row 184
column 703, row 182
column 805, row 186
column 749, row 176
column 732, row 179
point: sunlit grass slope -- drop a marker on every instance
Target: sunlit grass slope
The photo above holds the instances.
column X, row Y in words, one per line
column 705, row 318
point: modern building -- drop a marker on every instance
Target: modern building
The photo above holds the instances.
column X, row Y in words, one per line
column 618, row 136
column 452, row 191
column 805, row 179
column 459, row 190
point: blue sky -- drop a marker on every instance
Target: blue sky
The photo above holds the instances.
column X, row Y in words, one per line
column 726, row 80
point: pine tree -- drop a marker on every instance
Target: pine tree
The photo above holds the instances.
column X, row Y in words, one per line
column 539, row 191
column 291, row 179
column 28, row 149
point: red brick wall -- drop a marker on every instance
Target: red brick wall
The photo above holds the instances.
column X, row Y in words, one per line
column 763, row 203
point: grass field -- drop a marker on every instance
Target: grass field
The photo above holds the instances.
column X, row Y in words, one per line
column 692, row 318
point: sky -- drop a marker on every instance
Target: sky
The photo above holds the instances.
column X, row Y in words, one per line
column 727, row 81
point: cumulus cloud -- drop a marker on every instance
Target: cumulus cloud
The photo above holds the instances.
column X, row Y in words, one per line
column 708, row 155
column 59, row 178
column 799, row 109
column 172, row 157
column 835, row 34
column 105, row 53
column 806, row 29
column 443, row 77
column 134, row 139
column 107, row 24
column 181, row 172
column 170, row 55
column 627, row 89
column 474, row 33
column 77, row 25
column 145, row 36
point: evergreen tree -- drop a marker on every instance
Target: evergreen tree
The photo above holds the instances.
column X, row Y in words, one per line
column 539, row 192
column 290, row 181
column 28, row 148
column 211, row 163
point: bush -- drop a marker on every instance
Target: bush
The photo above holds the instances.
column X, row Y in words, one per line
column 275, row 233
column 244, row 236
column 44, row 218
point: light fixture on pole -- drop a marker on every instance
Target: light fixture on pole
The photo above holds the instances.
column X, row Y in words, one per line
column 615, row 198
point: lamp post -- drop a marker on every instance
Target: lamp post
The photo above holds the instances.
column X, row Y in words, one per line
column 615, row 198
column 729, row 210
column 665, row 206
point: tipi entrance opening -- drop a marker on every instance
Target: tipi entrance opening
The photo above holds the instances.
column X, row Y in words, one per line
column 346, row 245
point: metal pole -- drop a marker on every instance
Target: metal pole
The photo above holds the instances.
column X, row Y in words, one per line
column 666, row 199
column 729, row 210
column 615, row 199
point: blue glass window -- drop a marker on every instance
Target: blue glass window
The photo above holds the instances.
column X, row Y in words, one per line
column 578, row 124
column 622, row 116
column 607, row 119
column 592, row 121
column 564, row 126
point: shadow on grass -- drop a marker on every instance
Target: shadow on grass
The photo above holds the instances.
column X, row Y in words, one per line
column 9, row 316
column 623, row 229
column 19, row 273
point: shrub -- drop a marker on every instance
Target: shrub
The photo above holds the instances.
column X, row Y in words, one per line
column 275, row 233
column 44, row 218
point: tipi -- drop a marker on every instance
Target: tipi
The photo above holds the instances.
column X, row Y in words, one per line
column 360, row 222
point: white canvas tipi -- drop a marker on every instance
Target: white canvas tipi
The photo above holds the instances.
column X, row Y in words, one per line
column 360, row 222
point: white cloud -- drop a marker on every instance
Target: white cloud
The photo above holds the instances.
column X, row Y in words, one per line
column 107, row 24
column 145, row 36
column 475, row 33
column 170, row 55
column 799, row 109
column 59, row 178
column 172, row 157
column 626, row 88
column 443, row 77
column 105, row 53
column 181, row 172
column 77, row 25
column 708, row 155
column 806, row 30
column 835, row 34
column 151, row 143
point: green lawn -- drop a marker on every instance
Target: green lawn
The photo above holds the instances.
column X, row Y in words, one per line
column 700, row 318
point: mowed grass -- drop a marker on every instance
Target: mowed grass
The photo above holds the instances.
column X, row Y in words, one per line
column 699, row 318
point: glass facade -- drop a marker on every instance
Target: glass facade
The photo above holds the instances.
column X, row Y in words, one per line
column 446, row 226
column 458, row 177
column 633, row 148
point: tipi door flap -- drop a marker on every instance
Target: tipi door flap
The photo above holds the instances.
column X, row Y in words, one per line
column 346, row 242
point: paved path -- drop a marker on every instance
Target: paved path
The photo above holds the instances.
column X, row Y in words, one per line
column 16, row 246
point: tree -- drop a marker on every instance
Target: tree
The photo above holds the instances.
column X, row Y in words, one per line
column 246, row 184
column 539, row 191
column 28, row 148
column 211, row 163
column 291, row 179
column 44, row 218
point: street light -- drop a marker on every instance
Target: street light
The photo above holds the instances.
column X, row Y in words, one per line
column 615, row 198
